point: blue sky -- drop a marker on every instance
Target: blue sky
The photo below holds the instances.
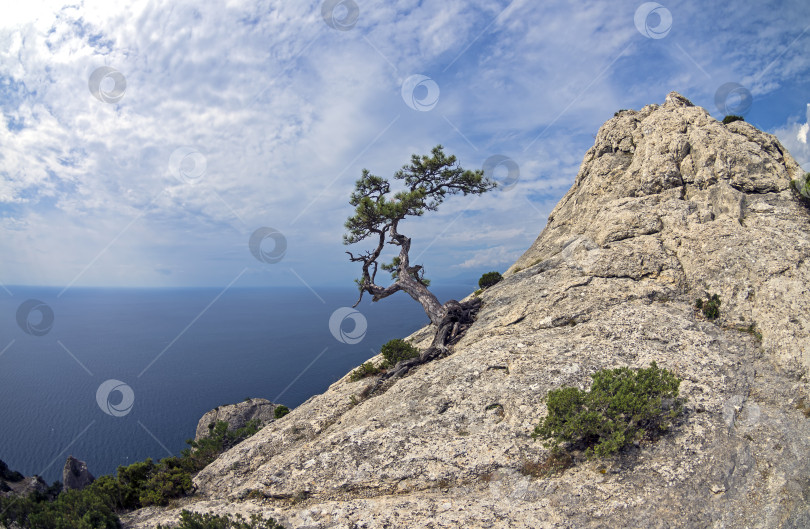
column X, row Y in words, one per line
column 216, row 119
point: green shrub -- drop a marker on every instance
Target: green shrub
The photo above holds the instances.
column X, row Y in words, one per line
column 489, row 279
column 171, row 480
column 710, row 307
column 193, row 520
column 72, row 509
column 731, row 118
column 134, row 486
column 621, row 406
column 280, row 411
column 397, row 350
column 367, row 369
column 802, row 186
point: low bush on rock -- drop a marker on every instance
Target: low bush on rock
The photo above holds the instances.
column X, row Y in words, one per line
column 393, row 351
column 193, row 520
column 732, row 118
column 622, row 406
column 397, row 350
column 802, row 187
column 710, row 307
column 367, row 369
column 489, row 279
column 280, row 411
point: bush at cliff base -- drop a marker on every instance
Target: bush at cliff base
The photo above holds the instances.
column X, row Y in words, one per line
column 140, row 484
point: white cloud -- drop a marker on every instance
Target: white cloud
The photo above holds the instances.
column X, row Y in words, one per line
column 287, row 111
column 793, row 135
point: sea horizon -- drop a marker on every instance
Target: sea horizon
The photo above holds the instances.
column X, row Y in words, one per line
column 168, row 355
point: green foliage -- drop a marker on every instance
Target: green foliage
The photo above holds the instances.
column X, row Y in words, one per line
column 171, row 480
column 193, row 520
column 71, row 510
column 428, row 181
column 393, row 267
column 367, row 369
column 731, row 117
column 134, row 486
column 280, row 411
column 489, row 279
column 710, row 307
column 378, row 211
column 621, row 406
column 397, row 350
column 802, row 186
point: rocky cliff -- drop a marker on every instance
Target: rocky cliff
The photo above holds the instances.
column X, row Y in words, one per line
column 669, row 205
column 236, row 415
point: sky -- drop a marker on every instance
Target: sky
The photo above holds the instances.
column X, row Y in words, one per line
column 147, row 143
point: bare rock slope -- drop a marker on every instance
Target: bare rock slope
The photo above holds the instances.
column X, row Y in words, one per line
column 669, row 205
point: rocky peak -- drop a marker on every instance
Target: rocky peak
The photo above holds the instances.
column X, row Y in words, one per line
column 669, row 205
column 670, row 193
column 674, row 99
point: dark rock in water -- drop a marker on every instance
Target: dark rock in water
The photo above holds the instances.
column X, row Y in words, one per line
column 75, row 475
column 236, row 415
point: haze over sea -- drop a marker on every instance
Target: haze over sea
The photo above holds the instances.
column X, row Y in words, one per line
column 273, row 343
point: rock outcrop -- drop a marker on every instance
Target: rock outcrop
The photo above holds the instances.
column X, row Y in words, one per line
column 14, row 483
column 75, row 475
column 236, row 415
column 669, row 205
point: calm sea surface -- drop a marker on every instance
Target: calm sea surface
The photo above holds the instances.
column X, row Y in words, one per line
column 178, row 353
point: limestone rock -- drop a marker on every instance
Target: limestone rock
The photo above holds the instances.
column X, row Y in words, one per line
column 668, row 206
column 75, row 474
column 236, row 415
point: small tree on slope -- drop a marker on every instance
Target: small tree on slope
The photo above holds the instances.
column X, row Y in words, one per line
column 428, row 181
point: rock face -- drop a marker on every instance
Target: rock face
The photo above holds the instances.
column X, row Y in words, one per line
column 14, row 483
column 236, row 415
column 669, row 205
column 75, row 474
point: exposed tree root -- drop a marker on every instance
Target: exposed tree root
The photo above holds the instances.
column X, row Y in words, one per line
column 457, row 320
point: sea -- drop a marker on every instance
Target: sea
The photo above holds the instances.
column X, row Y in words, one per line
column 113, row 376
